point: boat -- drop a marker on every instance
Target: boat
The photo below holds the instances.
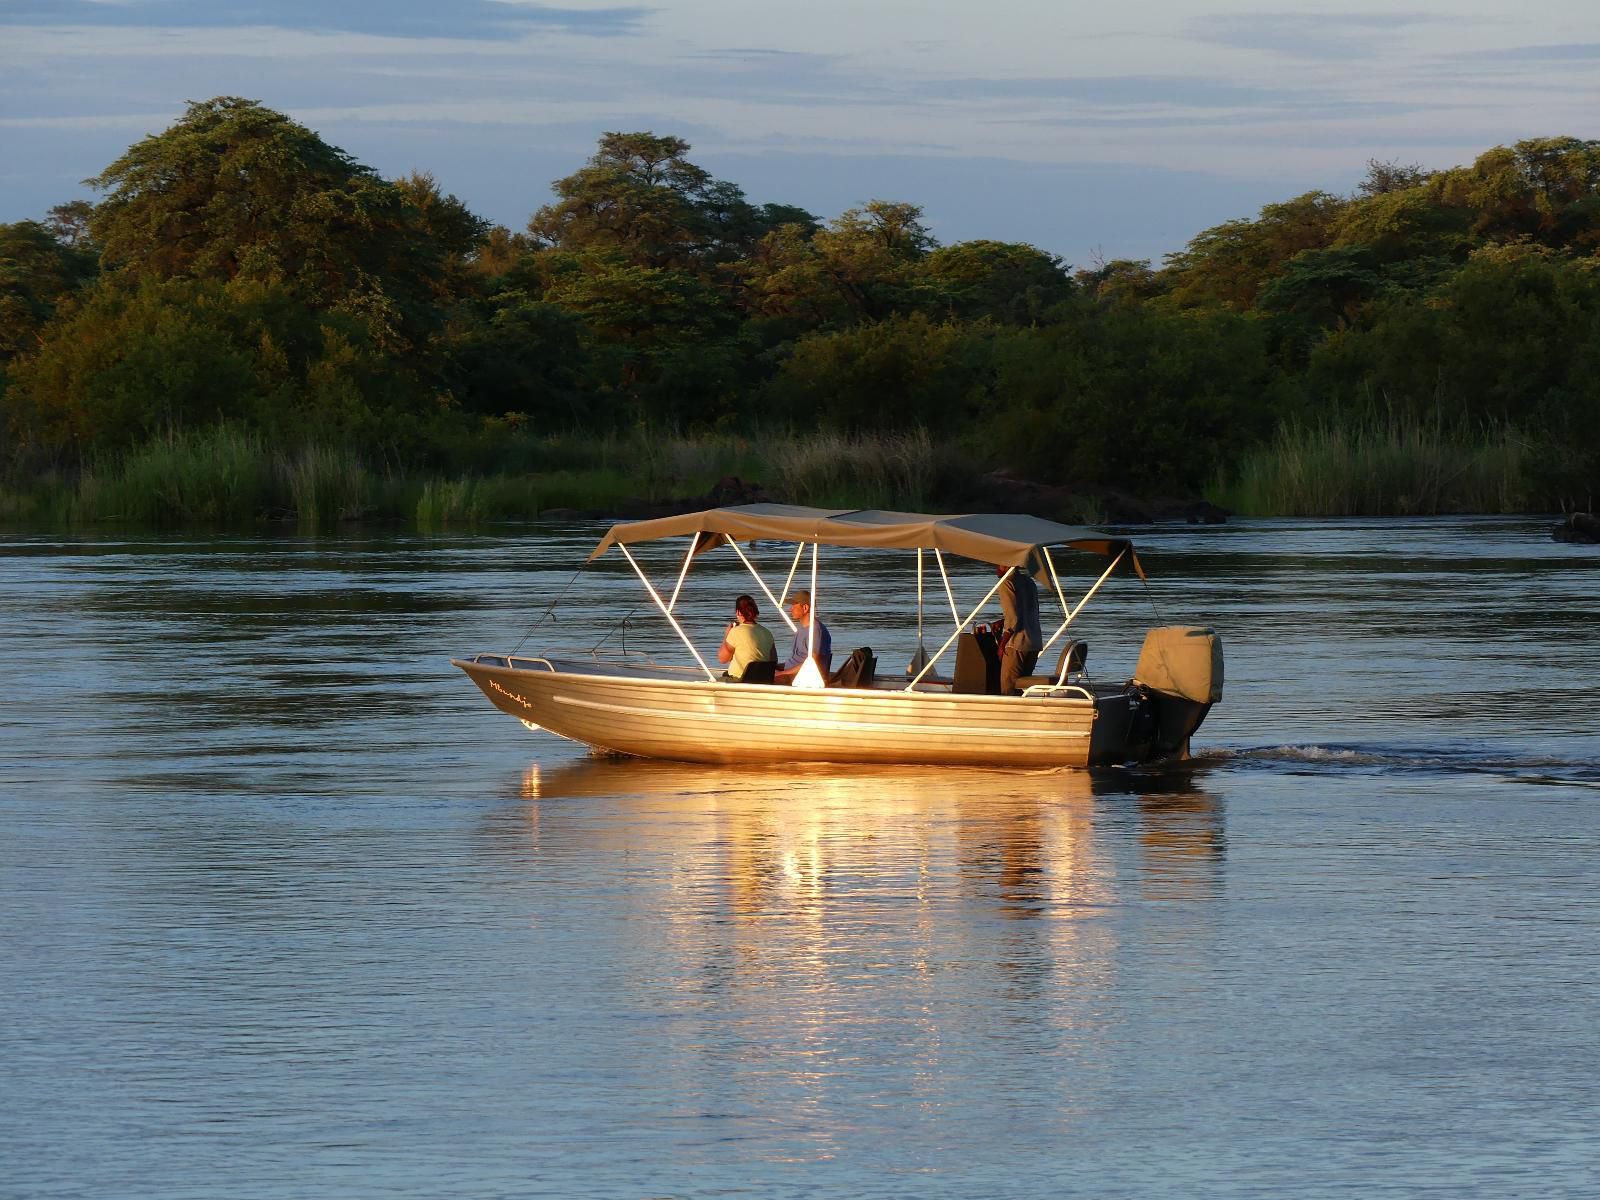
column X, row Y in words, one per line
column 621, row 705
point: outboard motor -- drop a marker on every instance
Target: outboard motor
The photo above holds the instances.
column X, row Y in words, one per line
column 1180, row 671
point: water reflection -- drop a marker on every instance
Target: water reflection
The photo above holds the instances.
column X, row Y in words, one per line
column 804, row 922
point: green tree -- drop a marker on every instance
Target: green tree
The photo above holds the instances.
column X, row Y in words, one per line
column 660, row 345
column 1010, row 282
column 234, row 190
column 1544, row 188
column 525, row 356
column 38, row 271
column 902, row 371
column 172, row 355
column 862, row 267
column 1230, row 263
column 1131, row 397
column 1384, row 177
column 1512, row 337
column 638, row 196
column 1120, row 281
column 70, row 223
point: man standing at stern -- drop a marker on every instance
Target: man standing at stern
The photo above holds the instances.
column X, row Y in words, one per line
column 1019, row 608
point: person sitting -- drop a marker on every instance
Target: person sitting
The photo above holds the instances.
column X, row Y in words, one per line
column 800, row 609
column 745, row 641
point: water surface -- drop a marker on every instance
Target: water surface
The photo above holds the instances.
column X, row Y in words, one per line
column 292, row 911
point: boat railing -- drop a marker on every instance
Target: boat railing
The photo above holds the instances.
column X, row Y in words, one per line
column 514, row 662
column 1063, row 690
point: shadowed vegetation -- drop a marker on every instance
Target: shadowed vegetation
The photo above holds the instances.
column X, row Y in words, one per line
column 251, row 325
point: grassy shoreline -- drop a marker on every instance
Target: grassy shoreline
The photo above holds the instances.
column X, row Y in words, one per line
column 1393, row 467
column 225, row 477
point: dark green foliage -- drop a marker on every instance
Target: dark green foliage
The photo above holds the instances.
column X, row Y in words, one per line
column 38, row 271
column 1514, row 338
column 1003, row 281
column 1230, row 264
column 1129, row 397
column 874, row 376
column 242, row 275
column 235, row 191
column 179, row 354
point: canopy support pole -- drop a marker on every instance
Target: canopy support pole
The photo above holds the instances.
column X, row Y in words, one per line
column 1056, row 579
column 987, row 596
column 1104, row 575
column 654, row 595
column 811, row 623
column 765, row 589
column 694, row 540
column 954, row 615
column 919, row 659
column 793, row 567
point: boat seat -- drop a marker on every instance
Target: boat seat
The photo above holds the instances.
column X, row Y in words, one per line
column 759, row 672
column 1073, row 661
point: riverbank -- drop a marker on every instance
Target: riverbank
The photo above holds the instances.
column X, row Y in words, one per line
column 230, row 478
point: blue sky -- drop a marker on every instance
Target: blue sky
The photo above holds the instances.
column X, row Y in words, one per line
column 1087, row 129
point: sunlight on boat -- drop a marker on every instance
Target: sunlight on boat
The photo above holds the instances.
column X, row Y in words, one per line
column 810, row 676
column 529, row 725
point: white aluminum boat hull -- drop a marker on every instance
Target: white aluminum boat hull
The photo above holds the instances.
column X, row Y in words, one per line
column 700, row 720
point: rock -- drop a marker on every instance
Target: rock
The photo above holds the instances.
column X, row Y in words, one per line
column 1000, row 491
column 731, row 490
column 1581, row 528
column 1194, row 512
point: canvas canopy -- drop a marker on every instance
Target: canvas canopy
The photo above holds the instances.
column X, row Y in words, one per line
column 1004, row 539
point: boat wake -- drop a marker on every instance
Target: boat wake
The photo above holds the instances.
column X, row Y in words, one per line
column 1477, row 759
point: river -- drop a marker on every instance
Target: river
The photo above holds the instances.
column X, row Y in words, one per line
column 291, row 911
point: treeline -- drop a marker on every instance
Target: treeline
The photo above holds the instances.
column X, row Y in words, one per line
column 240, row 272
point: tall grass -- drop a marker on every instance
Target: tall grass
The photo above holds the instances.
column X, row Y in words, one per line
column 1382, row 467
column 887, row 471
column 228, row 477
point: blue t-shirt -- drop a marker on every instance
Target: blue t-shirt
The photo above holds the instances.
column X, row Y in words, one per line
column 802, row 639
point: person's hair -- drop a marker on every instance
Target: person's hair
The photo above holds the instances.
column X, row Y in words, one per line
column 746, row 608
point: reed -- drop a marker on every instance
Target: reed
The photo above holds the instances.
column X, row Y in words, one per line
column 214, row 476
column 1389, row 466
column 882, row 471
column 224, row 476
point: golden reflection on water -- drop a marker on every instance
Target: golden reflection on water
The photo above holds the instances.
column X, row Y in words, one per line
column 823, row 917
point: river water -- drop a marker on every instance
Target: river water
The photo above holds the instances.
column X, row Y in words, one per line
column 291, row 911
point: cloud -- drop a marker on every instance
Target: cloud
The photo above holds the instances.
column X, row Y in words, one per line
column 1305, row 35
column 1111, row 90
column 404, row 18
column 1574, row 52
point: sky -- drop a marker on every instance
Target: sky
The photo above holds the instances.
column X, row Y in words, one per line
column 1094, row 131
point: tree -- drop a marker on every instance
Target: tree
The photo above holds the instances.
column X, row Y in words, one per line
column 1545, row 188
column 1005, row 281
column 38, row 272
column 638, row 196
column 70, row 223
column 1228, row 264
column 891, row 374
column 1120, row 281
column 174, row 355
column 1129, row 396
column 1392, row 176
column 660, row 344
column 235, row 191
column 522, row 355
column 863, row 266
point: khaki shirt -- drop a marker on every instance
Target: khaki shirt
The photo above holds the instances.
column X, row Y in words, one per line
column 750, row 643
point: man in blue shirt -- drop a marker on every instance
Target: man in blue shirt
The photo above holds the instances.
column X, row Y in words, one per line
column 800, row 609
